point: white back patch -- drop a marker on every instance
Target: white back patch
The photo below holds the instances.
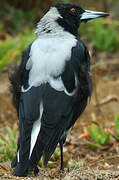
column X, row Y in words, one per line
column 48, row 56
column 48, row 23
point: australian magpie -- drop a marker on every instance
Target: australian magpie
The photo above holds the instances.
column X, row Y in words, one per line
column 51, row 86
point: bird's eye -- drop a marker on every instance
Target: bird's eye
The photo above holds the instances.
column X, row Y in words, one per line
column 73, row 10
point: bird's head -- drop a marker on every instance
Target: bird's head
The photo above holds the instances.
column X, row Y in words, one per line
column 65, row 16
column 72, row 15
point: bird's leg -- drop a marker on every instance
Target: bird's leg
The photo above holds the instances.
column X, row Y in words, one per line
column 36, row 171
column 61, row 155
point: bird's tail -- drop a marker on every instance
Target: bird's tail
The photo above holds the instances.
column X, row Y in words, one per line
column 47, row 153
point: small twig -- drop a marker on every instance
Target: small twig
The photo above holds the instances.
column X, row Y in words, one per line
column 108, row 158
column 95, row 91
column 3, row 167
column 108, row 99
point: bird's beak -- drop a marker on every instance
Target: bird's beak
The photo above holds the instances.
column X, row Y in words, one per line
column 88, row 15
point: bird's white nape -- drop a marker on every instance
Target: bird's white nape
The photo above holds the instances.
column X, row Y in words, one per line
column 48, row 23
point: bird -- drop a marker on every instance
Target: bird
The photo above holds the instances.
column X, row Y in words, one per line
column 51, row 86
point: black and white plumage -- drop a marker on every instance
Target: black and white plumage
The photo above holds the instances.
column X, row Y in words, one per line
column 52, row 85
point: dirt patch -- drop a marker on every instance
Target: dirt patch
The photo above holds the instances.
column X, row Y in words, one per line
column 7, row 111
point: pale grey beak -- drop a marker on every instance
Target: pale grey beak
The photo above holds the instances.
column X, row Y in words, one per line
column 88, row 15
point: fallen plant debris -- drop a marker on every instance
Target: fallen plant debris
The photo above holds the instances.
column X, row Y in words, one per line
column 108, row 99
column 90, row 174
column 80, row 174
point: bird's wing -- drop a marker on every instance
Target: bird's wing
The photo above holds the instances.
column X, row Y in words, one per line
column 78, row 68
column 79, row 65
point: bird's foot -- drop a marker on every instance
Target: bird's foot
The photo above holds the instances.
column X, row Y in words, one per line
column 36, row 171
column 20, row 171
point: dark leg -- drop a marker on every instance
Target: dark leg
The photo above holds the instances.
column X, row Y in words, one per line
column 36, row 171
column 61, row 151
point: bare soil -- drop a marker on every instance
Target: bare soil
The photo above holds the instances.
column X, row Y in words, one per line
column 102, row 164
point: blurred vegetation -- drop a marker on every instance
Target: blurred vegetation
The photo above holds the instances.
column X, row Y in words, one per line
column 11, row 48
column 105, row 37
column 18, row 20
column 17, row 15
column 8, row 144
column 98, row 135
column 116, row 127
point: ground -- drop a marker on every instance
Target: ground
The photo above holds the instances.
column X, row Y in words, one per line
column 101, row 164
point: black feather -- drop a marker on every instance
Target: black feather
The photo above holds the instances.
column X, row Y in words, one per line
column 19, row 77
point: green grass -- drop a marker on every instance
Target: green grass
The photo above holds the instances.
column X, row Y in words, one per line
column 104, row 37
column 11, row 48
column 116, row 127
column 8, row 144
column 98, row 135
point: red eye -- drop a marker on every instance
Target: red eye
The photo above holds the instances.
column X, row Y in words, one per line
column 73, row 10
